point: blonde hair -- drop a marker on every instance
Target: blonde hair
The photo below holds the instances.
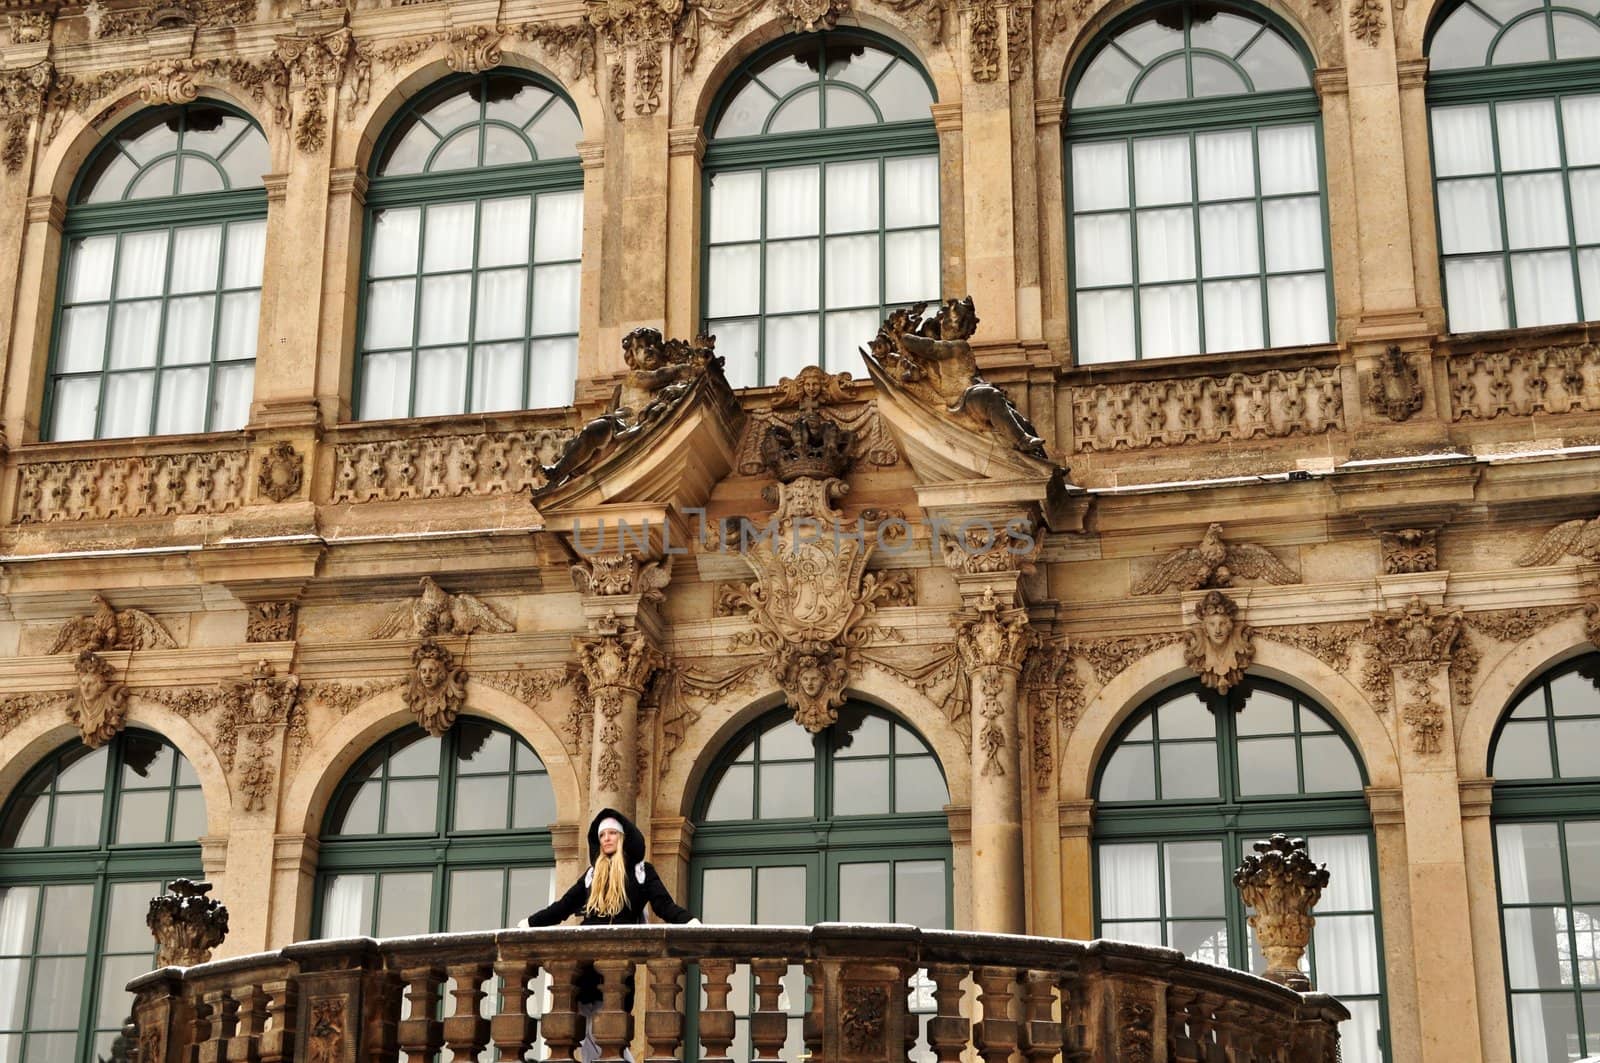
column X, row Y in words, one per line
column 608, row 890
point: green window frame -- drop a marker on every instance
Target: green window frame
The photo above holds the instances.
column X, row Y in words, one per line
column 423, row 830
column 791, row 863
column 1513, row 109
column 764, row 169
column 86, row 840
column 471, row 252
column 1187, row 783
column 158, row 313
column 1140, row 91
column 1546, row 816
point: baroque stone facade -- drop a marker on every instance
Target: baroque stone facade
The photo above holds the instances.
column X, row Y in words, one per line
column 1405, row 517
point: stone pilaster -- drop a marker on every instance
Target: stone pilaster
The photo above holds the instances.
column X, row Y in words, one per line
column 988, row 187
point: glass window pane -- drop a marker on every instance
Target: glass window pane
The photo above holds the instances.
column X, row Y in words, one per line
column 1169, row 322
column 725, row 895
column 790, row 345
column 786, row 791
column 1210, row 76
column 62, row 927
column 116, row 1004
column 1577, row 745
column 1105, row 327
column 196, row 253
column 128, row 400
column 1205, row 941
column 246, row 257
column 911, row 191
column 918, row 785
column 1148, row 933
column 1530, row 863
column 441, row 381
column 1161, row 170
column 394, row 241
column 1273, row 64
column 125, row 926
column 504, row 147
column 1265, row 712
column 860, row 787
column 142, row 817
column 852, row 271
column 1475, row 291
column 445, row 304
column 1574, row 694
column 733, row 799
column 1463, row 142
column 360, row 812
column 1129, row 775
column 247, row 161
column 57, row 996
column 133, row 334
column 1298, row 309
column 535, row 802
column 1536, row 210
column 476, row 899
column 502, row 304
column 1578, row 115
column 852, row 195
column 158, row 180
column 787, row 741
column 1267, row 766
column 448, row 239
column 555, row 299
column 1524, row 42
column 792, row 276
column 1289, row 159
column 404, row 903
column 1105, row 81
column 1186, row 717
column 142, row 266
column 1194, row 878
column 860, row 734
column 865, row 893
column 1542, row 285
column 1583, row 859
column 552, row 372
column 735, row 281
column 1166, row 80
column 1226, row 164
column 1100, row 175
column 1527, row 131
column 911, row 266
column 1293, row 228
column 781, row 896
column 1536, row 948
column 847, row 333
column 793, row 199
column 188, row 335
column 1346, row 955
column 846, row 108
column 240, row 326
column 558, row 227
column 1188, row 770
column 919, row 893
column 182, row 405
column 82, row 347
column 1103, row 249
column 410, row 806
column 1329, row 766
column 1228, row 242
column 389, row 310
column 1469, row 216
column 1349, row 861
column 188, row 816
column 1544, row 1025
column 496, row 377
column 799, row 113
column 735, row 206
column 482, row 803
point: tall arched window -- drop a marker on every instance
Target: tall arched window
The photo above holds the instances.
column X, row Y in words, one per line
column 794, row 828
column 1189, row 782
column 1547, row 844
column 89, row 837
column 474, row 232
column 1195, row 183
column 437, row 834
column 160, row 290
column 1516, row 162
column 822, row 203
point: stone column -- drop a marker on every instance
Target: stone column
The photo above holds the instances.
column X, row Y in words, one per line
column 992, row 639
column 952, row 203
column 1417, row 663
column 618, row 655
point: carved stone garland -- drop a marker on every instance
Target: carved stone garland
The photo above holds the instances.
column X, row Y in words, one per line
column 993, row 645
column 1410, row 550
column 1416, row 642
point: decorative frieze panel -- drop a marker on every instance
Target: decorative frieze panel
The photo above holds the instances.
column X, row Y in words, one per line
column 1517, row 383
column 481, row 463
column 1195, row 410
column 139, row 486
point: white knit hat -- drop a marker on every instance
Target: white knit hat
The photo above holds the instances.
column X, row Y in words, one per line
column 609, row 823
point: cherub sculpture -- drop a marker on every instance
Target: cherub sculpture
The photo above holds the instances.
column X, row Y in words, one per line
column 935, row 362
column 660, row 373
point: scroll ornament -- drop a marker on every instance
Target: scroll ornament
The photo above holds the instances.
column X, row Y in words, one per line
column 992, row 644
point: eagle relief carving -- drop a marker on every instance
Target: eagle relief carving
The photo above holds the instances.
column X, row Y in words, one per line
column 437, row 612
column 1214, row 563
column 108, row 628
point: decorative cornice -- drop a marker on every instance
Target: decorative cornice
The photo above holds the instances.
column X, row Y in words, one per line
column 1331, row 81
column 686, row 140
column 277, row 186
column 946, row 117
column 47, row 209
column 1387, row 805
column 1413, row 73
column 591, row 154
column 1049, row 111
column 1477, row 795
column 349, row 181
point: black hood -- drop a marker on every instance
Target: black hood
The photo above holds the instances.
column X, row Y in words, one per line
column 632, row 839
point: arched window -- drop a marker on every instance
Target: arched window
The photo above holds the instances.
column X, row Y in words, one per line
column 474, row 232
column 160, row 290
column 1516, row 162
column 794, row 828
column 437, row 834
column 89, row 837
column 1547, row 844
column 1190, row 781
column 1194, row 178
column 822, row 204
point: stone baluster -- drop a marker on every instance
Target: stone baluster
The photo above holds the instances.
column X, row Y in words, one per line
column 948, row 1030
column 422, row 1034
column 383, row 1003
column 1232, row 1033
column 1041, row 1033
column 769, row 1025
column 561, row 1025
column 199, row 1027
column 611, row 1019
column 996, row 1036
column 913, row 1021
column 466, row 1031
column 277, row 1040
column 716, row 1019
column 512, row 1026
column 1074, row 1017
column 1180, row 1024
column 811, row 1029
column 223, row 1011
column 250, row 1018
column 663, row 1021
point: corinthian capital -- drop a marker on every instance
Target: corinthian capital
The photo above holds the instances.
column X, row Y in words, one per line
column 615, row 657
column 995, row 638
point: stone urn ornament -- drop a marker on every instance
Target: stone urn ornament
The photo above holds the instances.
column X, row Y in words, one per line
column 186, row 923
column 1281, row 883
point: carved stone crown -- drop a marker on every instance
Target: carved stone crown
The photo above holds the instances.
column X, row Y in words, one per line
column 813, row 446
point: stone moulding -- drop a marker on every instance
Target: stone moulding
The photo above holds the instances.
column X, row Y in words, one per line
column 1562, row 378
column 1207, row 409
column 444, row 466
column 157, row 485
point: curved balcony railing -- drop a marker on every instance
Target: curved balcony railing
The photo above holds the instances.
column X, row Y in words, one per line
column 358, row 1000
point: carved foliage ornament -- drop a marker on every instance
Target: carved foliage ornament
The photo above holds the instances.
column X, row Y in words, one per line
column 319, row 68
column 1366, row 21
column 280, row 472
column 1221, row 646
column 270, row 621
column 30, row 27
column 1055, row 696
column 437, row 612
column 1281, row 883
column 99, row 706
column 436, row 690
column 255, row 708
column 1410, row 550
column 609, row 576
column 1214, row 563
column 1394, row 388
column 186, row 923
column 992, row 646
column 809, row 598
column 22, row 99
column 1416, row 642
column 983, row 40
column 616, row 665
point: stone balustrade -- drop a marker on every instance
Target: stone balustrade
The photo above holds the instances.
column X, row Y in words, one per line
column 357, row 999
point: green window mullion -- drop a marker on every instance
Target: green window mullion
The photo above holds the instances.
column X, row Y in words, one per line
column 1505, row 229
column 761, row 293
column 527, row 309
column 110, row 336
column 1566, row 191
column 1550, row 728
column 1133, row 239
column 472, row 285
column 1194, row 217
column 1261, row 235
column 822, row 257
column 157, row 373
column 416, row 315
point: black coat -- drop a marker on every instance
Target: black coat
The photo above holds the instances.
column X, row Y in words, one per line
column 644, row 886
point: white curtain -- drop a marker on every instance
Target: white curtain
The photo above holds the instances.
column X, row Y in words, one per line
column 142, row 266
column 230, row 396
column 1463, row 140
column 447, row 237
column 736, row 206
column 194, row 259
column 1527, row 134
column 1469, row 216
column 911, row 191
column 1161, row 170
column 441, row 381
column 385, row 385
column 503, row 232
column 1289, row 160
column 1233, row 315
column 1476, row 291
column 1166, row 245
column 127, row 408
column 1225, row 164
column 558, row 227
column 852, row 189
column 793, row 198
column 1105, row 326
column 552, row 371
column 183, row 401
column 555, row 299
column 16, row 932
column 347, row 906
column 1169, row 322
column 241, row 325
column 1099, row 175
column 1130, row 882
column 89, row 270
column 188, row 332
column 247, row 251
column 1542, row 286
